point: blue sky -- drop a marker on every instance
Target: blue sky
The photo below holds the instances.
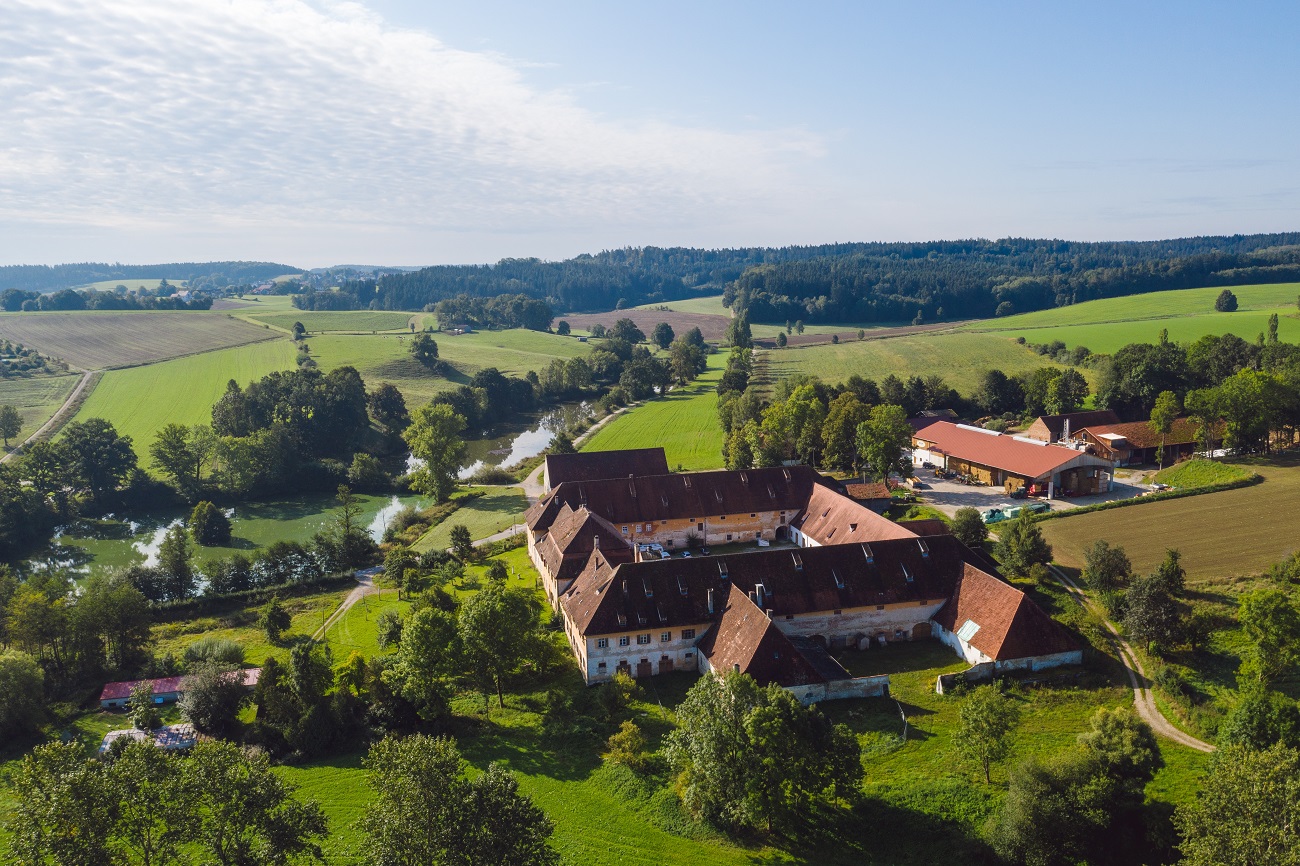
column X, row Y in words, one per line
column 406, row 132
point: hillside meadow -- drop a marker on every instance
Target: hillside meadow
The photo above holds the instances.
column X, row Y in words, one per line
column 353, row 321
column 36, row 398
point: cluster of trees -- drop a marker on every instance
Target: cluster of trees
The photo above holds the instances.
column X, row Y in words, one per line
column 22, row 361
column 1045, row 391
column 65, row 300
column 1149, row 606
column 44, row 278
column 498, row 311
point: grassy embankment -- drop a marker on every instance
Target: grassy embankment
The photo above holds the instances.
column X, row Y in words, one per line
column 711, row 305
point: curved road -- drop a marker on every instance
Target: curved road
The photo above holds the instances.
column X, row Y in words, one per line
column 1142, row 698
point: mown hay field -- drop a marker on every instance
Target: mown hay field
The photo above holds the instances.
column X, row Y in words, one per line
column 360, row 321
column 36, row 399
column 960, row 358
column 685, row 423
column 102, row 340
column 141, row 400
column 1228, row 534
column 1109, row 337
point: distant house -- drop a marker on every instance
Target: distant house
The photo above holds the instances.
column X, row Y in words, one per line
column 1136, row 443
column 875, row 495
column 602, row 465
column 1051, row 428
column 1011, row 462
column 165, row 691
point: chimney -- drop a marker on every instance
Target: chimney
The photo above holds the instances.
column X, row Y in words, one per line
column 761, row 592
column 1065, row 431
column 710, row 601
column 736, row 667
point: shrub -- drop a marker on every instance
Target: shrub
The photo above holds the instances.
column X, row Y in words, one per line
column 209, row 525
column 214, row 649
column 492, row 475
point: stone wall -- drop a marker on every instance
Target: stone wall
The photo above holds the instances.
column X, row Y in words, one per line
column 858, row 687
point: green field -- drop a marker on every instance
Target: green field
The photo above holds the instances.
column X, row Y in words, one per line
column 495, row 511
column 712, row 305
column 1226, row 534
column 36, row 399
column 360, row 321
column 685, row 423
column 141, row 400
column 960, row 358
column 150, row 284
column 96, row 340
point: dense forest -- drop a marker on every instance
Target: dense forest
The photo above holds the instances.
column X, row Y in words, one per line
column 45, row 278
column 856, row 282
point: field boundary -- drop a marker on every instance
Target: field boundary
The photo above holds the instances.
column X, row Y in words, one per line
column 63, row 414
column 261, row 339
column 1255, row 478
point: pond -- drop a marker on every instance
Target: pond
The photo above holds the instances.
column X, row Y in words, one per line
column 87, row 547
column 507, row 444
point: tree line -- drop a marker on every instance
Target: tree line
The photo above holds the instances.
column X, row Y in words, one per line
column 68, row 300
column 44, row 278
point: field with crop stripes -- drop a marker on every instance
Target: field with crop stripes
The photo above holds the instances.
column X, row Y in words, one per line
column 356, row 321
column 95, row 340
column 36, row 399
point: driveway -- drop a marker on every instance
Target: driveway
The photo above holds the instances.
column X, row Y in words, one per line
column 948, row 496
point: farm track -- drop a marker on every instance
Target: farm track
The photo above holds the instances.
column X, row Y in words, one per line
column 62, row 416
column 365, row 586
column 1143, row 701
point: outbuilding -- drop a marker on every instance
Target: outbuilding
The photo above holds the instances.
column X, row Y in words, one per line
column 1011, row 462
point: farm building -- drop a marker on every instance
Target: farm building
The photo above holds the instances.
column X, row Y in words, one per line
column 1054, row 428
column 165, row 691
column 774, row 614
column 874, row 496
column 599, row 465
column 1011, row 461
column 1135, row 443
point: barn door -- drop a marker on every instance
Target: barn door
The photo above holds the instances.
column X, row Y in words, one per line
column 644, row 669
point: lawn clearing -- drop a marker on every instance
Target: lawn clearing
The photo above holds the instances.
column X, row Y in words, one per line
column 99, row 340
column 960, row 358
column 685, row 423
column 1225, row 534
column 141, row 400
column 1201, row 473
column 496, row 510
column 36, row 399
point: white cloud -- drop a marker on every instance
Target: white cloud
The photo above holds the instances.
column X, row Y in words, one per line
column 246, row 118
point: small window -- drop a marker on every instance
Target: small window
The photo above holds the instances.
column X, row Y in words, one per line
column 602, row 642
column 728, row 536
column 666, row 636
column 688, row 633
column 643, row 639
column 880, row 607
column 789, row 616
column 601, row 666
column 622, row 641
column 838, row 611
column 723, row 517
column 625, row 530
column 753, row 515
column 690, row 655
column 663, row 523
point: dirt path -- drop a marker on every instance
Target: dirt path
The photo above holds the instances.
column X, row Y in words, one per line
column 1142, row 698
column 58, row 419
column 365, row 586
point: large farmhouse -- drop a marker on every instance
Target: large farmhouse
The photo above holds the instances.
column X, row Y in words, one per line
column 1011, row 461
column 855, row 579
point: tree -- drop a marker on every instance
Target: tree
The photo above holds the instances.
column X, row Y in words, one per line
column 434, row 437
column 175, row 563
column 299, row 332
column 1261, row 718
column 209, row 525
column 426, row 811
column 63, row 809
column 839, row 431
column 597, row 330
column 969, row 527
column 1151, row 613
column 244, row 813
column 781, row 340
column 1226, row 302
column 424, row 349
column 212, row 695
column 141, row 708
column 388, row 407
column 798, row 327
column 274, row 619
column 883, row 439
column 561, row 444
column 1171, row 572
column 663, row 335
column 22, row 693
column 354, row 540
column 562, row 328
column 426, row 659
column 626, row 329
column 985, row 723
column 153, row 805
column 1124, row 746
column 99, row 459
column 461, row 542
column 627, row 746
column 1247, row 811
column 1021, row 545
column 10, row 423
column 1056, row 814
column 497, row 628
column 1066, row 392
column 1272, row 623
column 1106, row 568
column 1163, row 415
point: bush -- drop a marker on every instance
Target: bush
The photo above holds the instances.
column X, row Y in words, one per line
column 214, row 649
column 492, row 475
column 209, row 525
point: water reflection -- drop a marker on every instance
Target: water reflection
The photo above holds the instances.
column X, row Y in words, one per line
column 508, row 445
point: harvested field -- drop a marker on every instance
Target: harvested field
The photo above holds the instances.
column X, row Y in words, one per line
column 809, row 338
column 711, row 326
column 95, row 340
column 354, row 321
column 1235, row 532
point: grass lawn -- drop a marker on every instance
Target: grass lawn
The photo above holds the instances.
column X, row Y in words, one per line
column 1201, row 473
column 315, row 322
column 141, row 400
column 96, row 340
column 1184, row 329
column 685, row 423
column 307, row 612
column 1230, row 533
column 36, row 399
column 960, row 358
column 496, row 510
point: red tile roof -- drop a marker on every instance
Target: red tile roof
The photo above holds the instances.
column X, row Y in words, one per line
column 1030, row 459
column 573, row 536
column 1054, row 425
column 745, row 639
column 1010, row 625
column 597, row 465
column 875, row 490
column 166, row 685
column 829, row 518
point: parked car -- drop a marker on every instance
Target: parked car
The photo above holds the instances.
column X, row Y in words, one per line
column 763, row 542
column 686, row 554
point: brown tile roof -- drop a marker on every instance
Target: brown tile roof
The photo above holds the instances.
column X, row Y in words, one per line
column 168, row 685
column 1140, row 435
column 874, row 490
column 1055, row 424
column 1010, row 625
column 573, row 535
column 597, row 465
column 1008, row 453
column 746, row 640
column 833, row 519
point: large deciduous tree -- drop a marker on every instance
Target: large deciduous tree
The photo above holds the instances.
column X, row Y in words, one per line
column 99, row 459
column 1247, row 811
column 434, row 437
column 1021, row 545
column 883, row 439
column 986, row 721
column 498, row 632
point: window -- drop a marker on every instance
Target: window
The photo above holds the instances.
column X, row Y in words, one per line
column 753, row 515
column 688, row 633
column 601, row 666
column 663, row 523
column 728, row 536
column 643, row 639
column 789, row 616
column 880, row 607
column 723, row 517
column 602, row 642
column 838, row 611
column 690, row 655
column 622, row 641
column 625, row 530
column 666, row 636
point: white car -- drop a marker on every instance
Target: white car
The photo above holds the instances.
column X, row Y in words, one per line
column 763, row 542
